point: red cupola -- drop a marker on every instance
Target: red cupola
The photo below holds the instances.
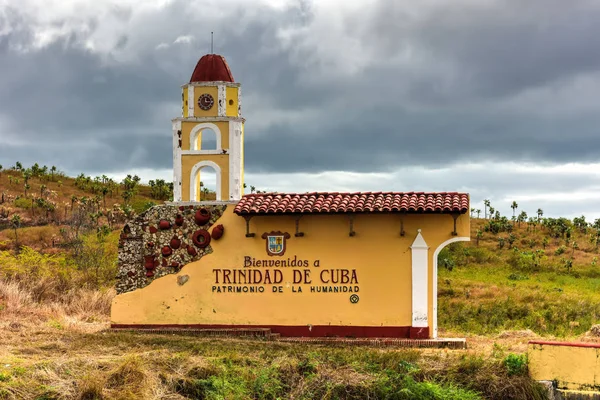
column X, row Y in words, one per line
column 212, row 67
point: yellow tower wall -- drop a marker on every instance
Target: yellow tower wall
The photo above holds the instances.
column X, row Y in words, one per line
column 231, row 93
column 376, row 262
column 214, row 92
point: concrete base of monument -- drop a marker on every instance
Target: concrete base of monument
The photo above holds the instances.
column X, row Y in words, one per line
column 264, row 333
column 370, row 336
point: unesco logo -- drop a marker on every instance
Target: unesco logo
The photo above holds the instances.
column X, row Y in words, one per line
column 354, row 299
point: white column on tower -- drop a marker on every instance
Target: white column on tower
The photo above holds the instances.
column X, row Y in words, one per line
column 176, row 161
column 235, row 161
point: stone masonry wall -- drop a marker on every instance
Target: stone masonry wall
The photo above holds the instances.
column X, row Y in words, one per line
column 162, row 240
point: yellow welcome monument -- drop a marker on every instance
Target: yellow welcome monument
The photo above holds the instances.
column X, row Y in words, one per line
column 295, row 264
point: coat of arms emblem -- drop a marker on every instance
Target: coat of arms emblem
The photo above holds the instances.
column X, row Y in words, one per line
column 276, row 242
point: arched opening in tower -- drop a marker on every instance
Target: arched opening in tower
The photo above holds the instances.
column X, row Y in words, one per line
column 206, row 184
column 206, row 140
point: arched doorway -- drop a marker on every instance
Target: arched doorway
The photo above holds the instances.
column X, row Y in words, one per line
column 201, row 184
column 435, row 277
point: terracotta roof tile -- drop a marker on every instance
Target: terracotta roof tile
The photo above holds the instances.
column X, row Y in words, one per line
column 315, row 203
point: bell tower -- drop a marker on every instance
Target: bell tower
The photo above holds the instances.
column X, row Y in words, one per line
column 211, row 106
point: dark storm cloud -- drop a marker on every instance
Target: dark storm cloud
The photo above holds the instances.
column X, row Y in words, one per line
column 437, row 106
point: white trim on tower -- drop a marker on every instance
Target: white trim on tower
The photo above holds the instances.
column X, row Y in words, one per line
column 222, row 101
column 176, row 162
column 235, row 159
column 239, row 101
column 191, row 101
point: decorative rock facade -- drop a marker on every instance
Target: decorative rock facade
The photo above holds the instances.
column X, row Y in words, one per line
column 164, row 239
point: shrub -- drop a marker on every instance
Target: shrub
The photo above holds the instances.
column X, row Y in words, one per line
column 22, row 202
column 516, row 364
column 141, row 205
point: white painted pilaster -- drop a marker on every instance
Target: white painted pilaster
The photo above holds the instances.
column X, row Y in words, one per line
column 420, row 254
column 191, row 101
column 239, row 99
column 235, row 161
column 176, row 162
column 222, row 101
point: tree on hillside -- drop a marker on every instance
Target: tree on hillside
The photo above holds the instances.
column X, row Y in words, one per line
column 540, row 212
column 52, row 172
column 479, row 235
column 43, row 190
column 472, row 211
column 486, row 204
column 26, row 187
column 522, row 218
column 26, row 175
column 16, row 223
column 514, row 207
column 18, row 166
column 0, row 169
column 478, row 212
column 580, row 223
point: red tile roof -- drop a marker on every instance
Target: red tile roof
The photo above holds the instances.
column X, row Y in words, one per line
column 212, row 67
column 377, row 202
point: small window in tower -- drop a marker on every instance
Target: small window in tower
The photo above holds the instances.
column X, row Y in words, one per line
column 230, row 102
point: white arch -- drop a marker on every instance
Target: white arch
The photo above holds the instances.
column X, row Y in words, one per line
column 195, row 169
column 435, row 276
column 198, row 129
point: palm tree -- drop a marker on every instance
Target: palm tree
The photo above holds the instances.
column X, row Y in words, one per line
column 16, row 223
column 540, row 212
column 472, row 211
column 486, row 204
column 478, row 212
column 52, row 171
column 514, row 207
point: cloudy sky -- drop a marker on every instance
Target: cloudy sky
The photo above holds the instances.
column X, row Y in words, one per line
column 500, row 99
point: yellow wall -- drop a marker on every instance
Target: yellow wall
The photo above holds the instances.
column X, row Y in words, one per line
column 188, row 162
column 378, row 254
column 574, row 368
column 232, row 94
column 214, row 92
column 187, row 126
